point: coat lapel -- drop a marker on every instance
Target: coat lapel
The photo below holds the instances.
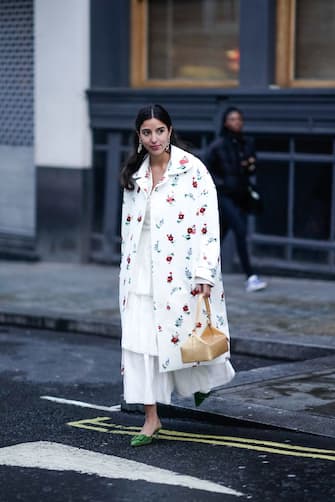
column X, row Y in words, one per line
column 180, row 161
column 143, row 177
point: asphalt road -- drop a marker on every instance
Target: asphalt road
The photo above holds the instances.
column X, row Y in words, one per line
column 53, row 450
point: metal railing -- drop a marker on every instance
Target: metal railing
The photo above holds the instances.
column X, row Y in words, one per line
column 283, row 248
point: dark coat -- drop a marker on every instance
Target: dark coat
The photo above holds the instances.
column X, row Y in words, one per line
column 228, row 160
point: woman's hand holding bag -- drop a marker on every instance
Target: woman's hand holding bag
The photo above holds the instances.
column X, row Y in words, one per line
column 207, row 345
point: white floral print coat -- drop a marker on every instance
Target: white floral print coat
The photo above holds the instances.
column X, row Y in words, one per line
column 185, row 247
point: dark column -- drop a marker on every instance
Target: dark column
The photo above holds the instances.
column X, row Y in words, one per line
column 64, row 213
column 112, row 199
column 257, row 43
column 110, row 33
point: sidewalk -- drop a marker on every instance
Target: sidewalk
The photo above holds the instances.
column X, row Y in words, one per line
column 294, row 319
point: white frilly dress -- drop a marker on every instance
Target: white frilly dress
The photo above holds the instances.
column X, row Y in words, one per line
column 143, row 382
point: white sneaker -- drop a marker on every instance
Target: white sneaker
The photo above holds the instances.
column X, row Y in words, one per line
column 254, row 283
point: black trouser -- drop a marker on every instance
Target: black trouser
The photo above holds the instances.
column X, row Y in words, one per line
column 233, row 218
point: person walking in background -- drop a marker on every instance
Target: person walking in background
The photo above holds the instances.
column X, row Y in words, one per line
column 170, row 254
column 231, row 161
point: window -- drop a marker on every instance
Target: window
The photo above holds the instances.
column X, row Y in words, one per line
column 185, row 42
column 305, row 43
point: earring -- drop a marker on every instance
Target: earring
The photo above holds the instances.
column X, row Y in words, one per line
column 167, row 148
column 139, row 148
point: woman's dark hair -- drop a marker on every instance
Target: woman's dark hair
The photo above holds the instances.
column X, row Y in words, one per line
column 136, row 159
column 227, row 112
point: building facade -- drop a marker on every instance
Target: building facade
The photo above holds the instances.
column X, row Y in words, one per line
column 96, row 62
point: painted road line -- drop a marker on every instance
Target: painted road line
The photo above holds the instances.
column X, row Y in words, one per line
column 104, row 421
column 61, row 400
column 59, row 457
column 102, row 424
column 249, row 441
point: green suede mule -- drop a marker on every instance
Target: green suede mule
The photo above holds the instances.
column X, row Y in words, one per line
column 199, row 397
column 142, row 439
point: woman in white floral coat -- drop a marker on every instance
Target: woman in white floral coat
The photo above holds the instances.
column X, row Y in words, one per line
column 170, row 253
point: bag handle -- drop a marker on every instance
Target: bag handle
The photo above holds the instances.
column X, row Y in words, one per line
column 202, row 298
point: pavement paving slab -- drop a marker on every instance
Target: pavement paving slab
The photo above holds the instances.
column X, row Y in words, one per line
column 288, row 307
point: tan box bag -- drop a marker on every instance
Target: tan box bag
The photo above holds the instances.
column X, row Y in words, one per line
column 208, row 345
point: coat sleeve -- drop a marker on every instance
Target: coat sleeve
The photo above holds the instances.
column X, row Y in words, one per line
column 209, row 229
column 250, row 153
column 213, row 163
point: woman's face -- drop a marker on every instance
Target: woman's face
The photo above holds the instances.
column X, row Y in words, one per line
column 154, row 136
column 234, row 122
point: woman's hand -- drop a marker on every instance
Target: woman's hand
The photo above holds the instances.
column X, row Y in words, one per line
column 205, row 289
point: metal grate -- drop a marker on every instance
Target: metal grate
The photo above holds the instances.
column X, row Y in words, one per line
column 17, row 72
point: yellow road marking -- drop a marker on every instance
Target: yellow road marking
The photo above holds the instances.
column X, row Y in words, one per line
column 101, row 424
column 209, row 436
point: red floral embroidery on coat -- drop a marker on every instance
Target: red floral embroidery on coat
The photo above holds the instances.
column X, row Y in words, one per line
column 186, row 308
column 169, row 258
column 169, row 278
column 170, row 237
column 175, row 339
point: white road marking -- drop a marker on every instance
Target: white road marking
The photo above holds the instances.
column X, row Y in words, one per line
column 59, row 457
column 61, row 400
